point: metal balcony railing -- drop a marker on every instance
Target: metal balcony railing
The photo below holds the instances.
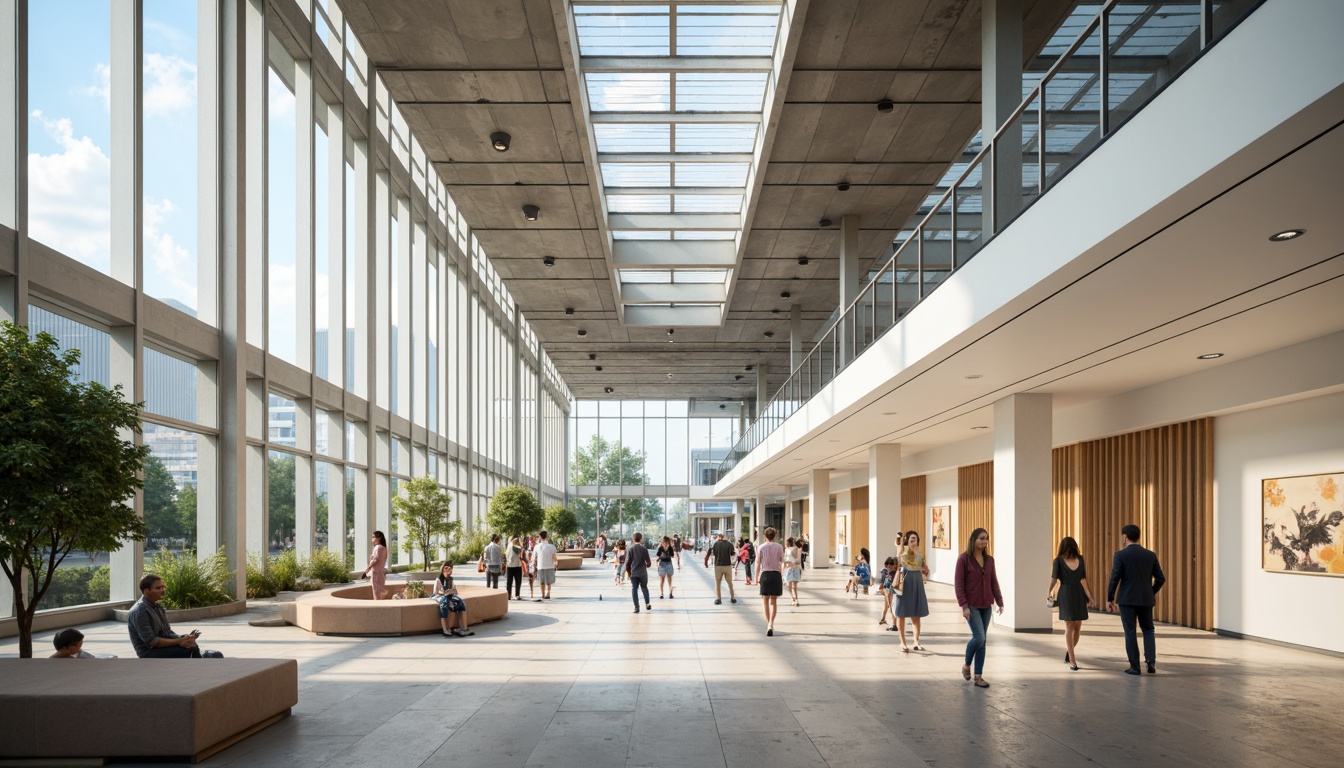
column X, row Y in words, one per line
column 1123, row 55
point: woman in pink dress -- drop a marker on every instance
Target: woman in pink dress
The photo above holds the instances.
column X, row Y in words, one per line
column 377, row 570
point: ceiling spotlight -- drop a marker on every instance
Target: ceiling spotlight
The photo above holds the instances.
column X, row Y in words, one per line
column 1210, row 356
column 885, row 105
column 842, row 186
column 889, row 413
column 975, row 376
column 824, row 223
column 531, row 212
column 569, row 310
column 802, row 261
column 669, row 375
column 608, row 390
column 1287, row 234
column 979, row 427
column 722, row 407
column 784, row 294
column 599, row 367
column 582, row 332
column 500, row 141
column 738, row 377
column 548, row 261
column 671, row 331
column 769, row 334
column 592, row 355
column 749, row 367
column 775, row 311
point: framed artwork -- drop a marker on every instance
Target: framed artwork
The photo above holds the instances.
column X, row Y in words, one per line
column 1301, row 529
column 942, row 518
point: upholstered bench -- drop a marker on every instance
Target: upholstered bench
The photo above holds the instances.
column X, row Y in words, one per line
column 103, row 708
column 353, row 611
column 568, row 562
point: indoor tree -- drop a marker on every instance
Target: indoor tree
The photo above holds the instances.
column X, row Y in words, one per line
column 560, row 521
column 425, row 510
column 67, row 474
column 514, row 511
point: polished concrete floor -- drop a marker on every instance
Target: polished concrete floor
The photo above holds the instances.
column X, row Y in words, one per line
column 581, row 681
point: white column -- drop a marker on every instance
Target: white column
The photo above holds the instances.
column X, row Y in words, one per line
column 731, row 531
column 758, row 519
column 819, row 519
column 789, row 514
column 1001, row 93
column 884, row 498
column 1022, row 508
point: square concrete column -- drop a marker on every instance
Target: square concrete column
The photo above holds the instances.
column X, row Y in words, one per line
column 884, row 499
column 758, row 520
column 1022, row 543
column 731, row 532
column 819, row 532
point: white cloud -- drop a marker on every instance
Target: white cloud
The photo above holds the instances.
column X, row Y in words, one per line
column 103, row 89
column 170, row 270
column 69, row 195
column 170, row 84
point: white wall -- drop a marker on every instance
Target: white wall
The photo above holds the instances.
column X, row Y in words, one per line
column 940, row 490
column 1299, row 438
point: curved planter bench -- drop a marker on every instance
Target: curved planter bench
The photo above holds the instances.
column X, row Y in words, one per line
column 353, row 611
column 568, row 562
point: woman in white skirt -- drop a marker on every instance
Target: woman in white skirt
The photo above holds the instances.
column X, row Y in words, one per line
column 793, row 569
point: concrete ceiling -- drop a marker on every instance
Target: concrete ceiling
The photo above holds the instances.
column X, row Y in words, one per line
column 461, row 69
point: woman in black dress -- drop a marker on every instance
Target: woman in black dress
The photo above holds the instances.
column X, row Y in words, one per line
column 1068, row 586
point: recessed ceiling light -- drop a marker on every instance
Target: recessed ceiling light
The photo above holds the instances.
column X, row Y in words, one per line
column 889, row 413
column 1210, row 356
column 975, row 376
column 738, row 377
column 749, row 367
column 531, row 212
column 548, row 261
column 802, row 261
column 1287, row 234
column 885, row 105
column 582, row 332
column 832, row 441
column 842, row 186
column 671, row 331
column 979, row 427
column 670, row 376
column 824, row 223
column 500, row 141
column 785, row 294
column 769, row 334
column 592, row 355
column 774, row 311
column 569, row 310
column 608, row 390
column 599, row 367
column 722, row 407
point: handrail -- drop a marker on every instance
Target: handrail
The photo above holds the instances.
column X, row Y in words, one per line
column 847, row 328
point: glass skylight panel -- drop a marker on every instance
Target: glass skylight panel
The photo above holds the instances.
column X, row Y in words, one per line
column 644, row 276
column 624, row 30
column 700, row 276
column 709, row 203
column 726, row 30
column 629, row 91
column 706, row 234
column 636, row 174
column 640, row 234
column 712, row 174
column 716, row 137
column 633, row 137
column 721, row 91
column 639, row 203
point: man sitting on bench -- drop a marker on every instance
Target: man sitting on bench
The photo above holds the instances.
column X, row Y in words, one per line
column 151, row 634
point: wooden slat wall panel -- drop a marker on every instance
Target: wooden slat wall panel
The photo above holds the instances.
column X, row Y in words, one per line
column 1159, row 479
column 975, row 502
column 914, row 515
column 858, row 518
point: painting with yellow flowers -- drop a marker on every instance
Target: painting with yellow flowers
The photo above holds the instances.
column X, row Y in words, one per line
column 1302, row 531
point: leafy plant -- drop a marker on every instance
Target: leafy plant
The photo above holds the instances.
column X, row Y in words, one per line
column 514, row 511
column 561, row 523
column 425, row 511
column 308, row 584
column 67, row 473
column 285, row 570
column 414, row 590
column 190, row 582
column 259, row 580
column 327, row 566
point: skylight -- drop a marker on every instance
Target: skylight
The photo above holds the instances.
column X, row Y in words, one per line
column 676, row 93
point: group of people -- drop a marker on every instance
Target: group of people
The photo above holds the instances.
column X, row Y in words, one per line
column 530, row 557
column 778, row 566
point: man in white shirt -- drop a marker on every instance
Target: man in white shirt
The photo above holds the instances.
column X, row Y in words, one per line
column 543, row 556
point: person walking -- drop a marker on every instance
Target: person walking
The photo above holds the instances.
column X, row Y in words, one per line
column 806, row 547
column 666, row 554
column 618, row 557
column 1136, row 578
column 751, row 559
column 770, row 562
column 1068, row 588
column 977, row 588
column 676, row 547
column 376, row 572
column 600, row 549
column 637, row 562
column 494, row 562
column 913, row 604
column 513, row 569
column 544, row 559
column 793, row 569
column 722, row 552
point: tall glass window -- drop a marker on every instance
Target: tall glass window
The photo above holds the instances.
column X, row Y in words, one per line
column 170, row 152
column 281, row 225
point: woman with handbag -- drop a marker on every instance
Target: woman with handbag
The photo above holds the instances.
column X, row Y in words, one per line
column 513, row 572
column 913, row 603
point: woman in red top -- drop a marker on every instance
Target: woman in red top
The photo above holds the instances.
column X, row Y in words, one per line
column 977, row 593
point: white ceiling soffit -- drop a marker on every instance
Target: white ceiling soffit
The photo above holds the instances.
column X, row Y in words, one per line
column 674, row 95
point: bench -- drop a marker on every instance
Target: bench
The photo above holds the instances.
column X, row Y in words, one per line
column 568, row 562
column 353, row 611
column 186, row 709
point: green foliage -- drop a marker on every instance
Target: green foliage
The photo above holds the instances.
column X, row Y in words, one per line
column 560, row 522
column 472, row 545
column 286, row 570
column 326, row 565
column 78, row 585
column 514, row 511
column 425, row 511
column 162, row 521
column 190, row 582
column 308, row 584
column 259, row 581
column 601, row 462
column 186, row 512
column 67, row 475
column 280, row 498
column 414, row 590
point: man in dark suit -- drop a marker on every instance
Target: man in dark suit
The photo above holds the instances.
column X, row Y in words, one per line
column 1136, row 578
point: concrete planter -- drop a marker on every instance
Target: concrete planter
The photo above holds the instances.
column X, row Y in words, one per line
column 425, row 576
column 193, row 614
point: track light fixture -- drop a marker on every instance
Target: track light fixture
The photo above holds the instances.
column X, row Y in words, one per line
column 500, row 141
column 531, row 212
column 569, row 310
